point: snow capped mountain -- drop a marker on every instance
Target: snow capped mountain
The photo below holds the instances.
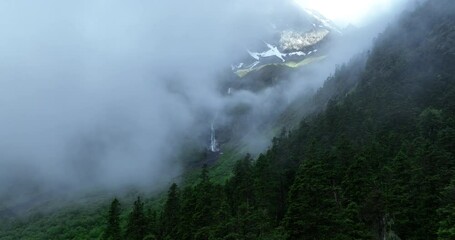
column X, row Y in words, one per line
column 296, row 34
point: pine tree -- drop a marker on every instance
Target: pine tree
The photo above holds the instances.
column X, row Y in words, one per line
column 446, row 228
column 224, row 222
column 171, row 214
column 312, row 205
column 152, row 225
column 401, row 193
column 437, row 166
column 137, row 222
column 240, row 186
column 205, row 209
column 113, row 230
column 267, row 186
column 357, row 180
column 188, row 206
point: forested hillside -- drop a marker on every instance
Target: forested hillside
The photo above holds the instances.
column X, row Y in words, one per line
column 377, row 163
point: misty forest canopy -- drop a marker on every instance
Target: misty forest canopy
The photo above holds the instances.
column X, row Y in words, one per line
column 369, row 155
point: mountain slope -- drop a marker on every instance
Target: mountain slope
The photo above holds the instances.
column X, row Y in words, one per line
column 377, row 163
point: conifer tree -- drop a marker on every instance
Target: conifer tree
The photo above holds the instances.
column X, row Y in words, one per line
column 171, row 214
column 446, row 228
column 312, row 206
column 240, row 186
column 204, row 208
column 113, row 230
column 137, row 222
column 152, row 228
column 188, row 203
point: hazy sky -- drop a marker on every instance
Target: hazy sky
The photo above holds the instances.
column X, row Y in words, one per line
column 356, row 12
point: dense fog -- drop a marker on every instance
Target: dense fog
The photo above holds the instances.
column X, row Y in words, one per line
column 104, row 94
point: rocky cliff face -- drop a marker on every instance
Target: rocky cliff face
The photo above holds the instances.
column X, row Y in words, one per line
column 294, row 36
column 291, row 41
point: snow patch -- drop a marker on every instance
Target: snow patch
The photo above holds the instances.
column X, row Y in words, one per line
column 254, row 55
column 254, row 65
column 273, row 51
column 297, row 54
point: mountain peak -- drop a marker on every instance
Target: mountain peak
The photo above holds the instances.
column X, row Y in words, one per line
column 297, row 34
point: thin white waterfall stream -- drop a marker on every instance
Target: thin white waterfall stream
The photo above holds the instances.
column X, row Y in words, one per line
column 213, row 142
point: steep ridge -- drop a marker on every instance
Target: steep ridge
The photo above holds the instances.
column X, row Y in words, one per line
column 377, row 163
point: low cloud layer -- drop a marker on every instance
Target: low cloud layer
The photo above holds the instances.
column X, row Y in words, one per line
column 103, row 93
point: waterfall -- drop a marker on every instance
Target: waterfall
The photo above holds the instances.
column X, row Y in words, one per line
column 213, row 143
